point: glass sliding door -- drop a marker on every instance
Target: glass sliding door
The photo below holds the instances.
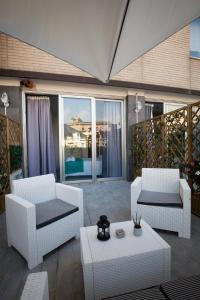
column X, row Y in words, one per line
column 77, row 138
column 91, row 138
column 108, row 139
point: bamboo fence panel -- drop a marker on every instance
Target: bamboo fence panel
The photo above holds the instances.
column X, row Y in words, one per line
column 10, row 134
column 167, row 141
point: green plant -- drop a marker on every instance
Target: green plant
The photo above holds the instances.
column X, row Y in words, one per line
column 15, row 157
column 137, row 220
column 191, row 168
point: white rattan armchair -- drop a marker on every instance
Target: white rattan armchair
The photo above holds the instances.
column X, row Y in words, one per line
column 22, row 233
column 164, row 183
column 36, row 287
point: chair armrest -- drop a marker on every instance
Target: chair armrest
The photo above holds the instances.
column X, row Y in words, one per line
column 71, row 195
column 136, row 188
column 185, row 192
column 21, row 225
column 20, row 202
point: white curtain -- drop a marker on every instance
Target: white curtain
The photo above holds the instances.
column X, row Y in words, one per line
column 111, row 158
column 40, row 145
column 148, row 111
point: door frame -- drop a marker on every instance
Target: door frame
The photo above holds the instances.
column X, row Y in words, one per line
column 61, row 136
column 60, row 121
column 93, row 123
column 123, row 141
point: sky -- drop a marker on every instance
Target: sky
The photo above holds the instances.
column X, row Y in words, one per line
column 81, row 108
column 195, row 35
column 74, row 107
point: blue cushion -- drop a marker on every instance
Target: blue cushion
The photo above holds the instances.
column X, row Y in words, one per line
column 51, row 211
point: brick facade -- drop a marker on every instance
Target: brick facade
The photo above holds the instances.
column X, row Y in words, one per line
column 167, row 64
column 17, row 55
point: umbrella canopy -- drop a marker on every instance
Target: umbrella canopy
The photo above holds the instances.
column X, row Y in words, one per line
column 100, row 37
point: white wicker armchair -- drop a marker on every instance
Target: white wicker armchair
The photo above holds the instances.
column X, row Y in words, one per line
column 163, row 183
column 36, row 287
column 32, row 241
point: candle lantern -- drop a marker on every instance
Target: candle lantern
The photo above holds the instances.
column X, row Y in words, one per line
column 103, row 228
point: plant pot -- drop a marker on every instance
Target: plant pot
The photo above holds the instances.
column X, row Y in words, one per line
column 137, row 231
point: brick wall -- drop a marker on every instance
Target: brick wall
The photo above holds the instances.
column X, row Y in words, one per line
column 167, row 64
column 17, row 55
column 195, row 74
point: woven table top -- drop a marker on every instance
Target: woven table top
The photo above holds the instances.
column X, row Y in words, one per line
column 96, row 251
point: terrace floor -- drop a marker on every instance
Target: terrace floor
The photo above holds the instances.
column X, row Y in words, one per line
column 64, row 264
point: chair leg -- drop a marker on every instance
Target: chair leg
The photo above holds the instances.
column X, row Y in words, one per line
column 34, row 261
column 40, row 260
column 180, row 234
column 8, row 239
column 9, row 243
column 77, row 236
column 183, row 234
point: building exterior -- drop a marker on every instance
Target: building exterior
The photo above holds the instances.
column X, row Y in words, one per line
column 165, row 78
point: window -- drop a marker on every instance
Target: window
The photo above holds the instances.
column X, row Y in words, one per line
column 153, row 109
column 195, row 39
column 172, row 106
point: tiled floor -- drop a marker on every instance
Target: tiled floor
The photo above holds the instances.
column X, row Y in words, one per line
column 63, row 264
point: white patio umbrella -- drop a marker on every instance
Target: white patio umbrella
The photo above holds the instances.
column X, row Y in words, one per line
column 100, row 37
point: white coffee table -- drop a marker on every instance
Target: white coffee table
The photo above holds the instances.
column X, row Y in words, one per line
column 122, row 265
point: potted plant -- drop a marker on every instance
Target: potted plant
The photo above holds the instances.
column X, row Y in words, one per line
column 137, row 230
column 191, row 169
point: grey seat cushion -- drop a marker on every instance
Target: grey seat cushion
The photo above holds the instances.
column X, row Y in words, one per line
column 148, row 294
column 53, row 210
column 182, row 289
column 160, row 199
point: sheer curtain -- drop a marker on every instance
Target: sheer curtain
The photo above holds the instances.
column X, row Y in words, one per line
column 111, row 158
column 148, row 111
column 40, row 145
